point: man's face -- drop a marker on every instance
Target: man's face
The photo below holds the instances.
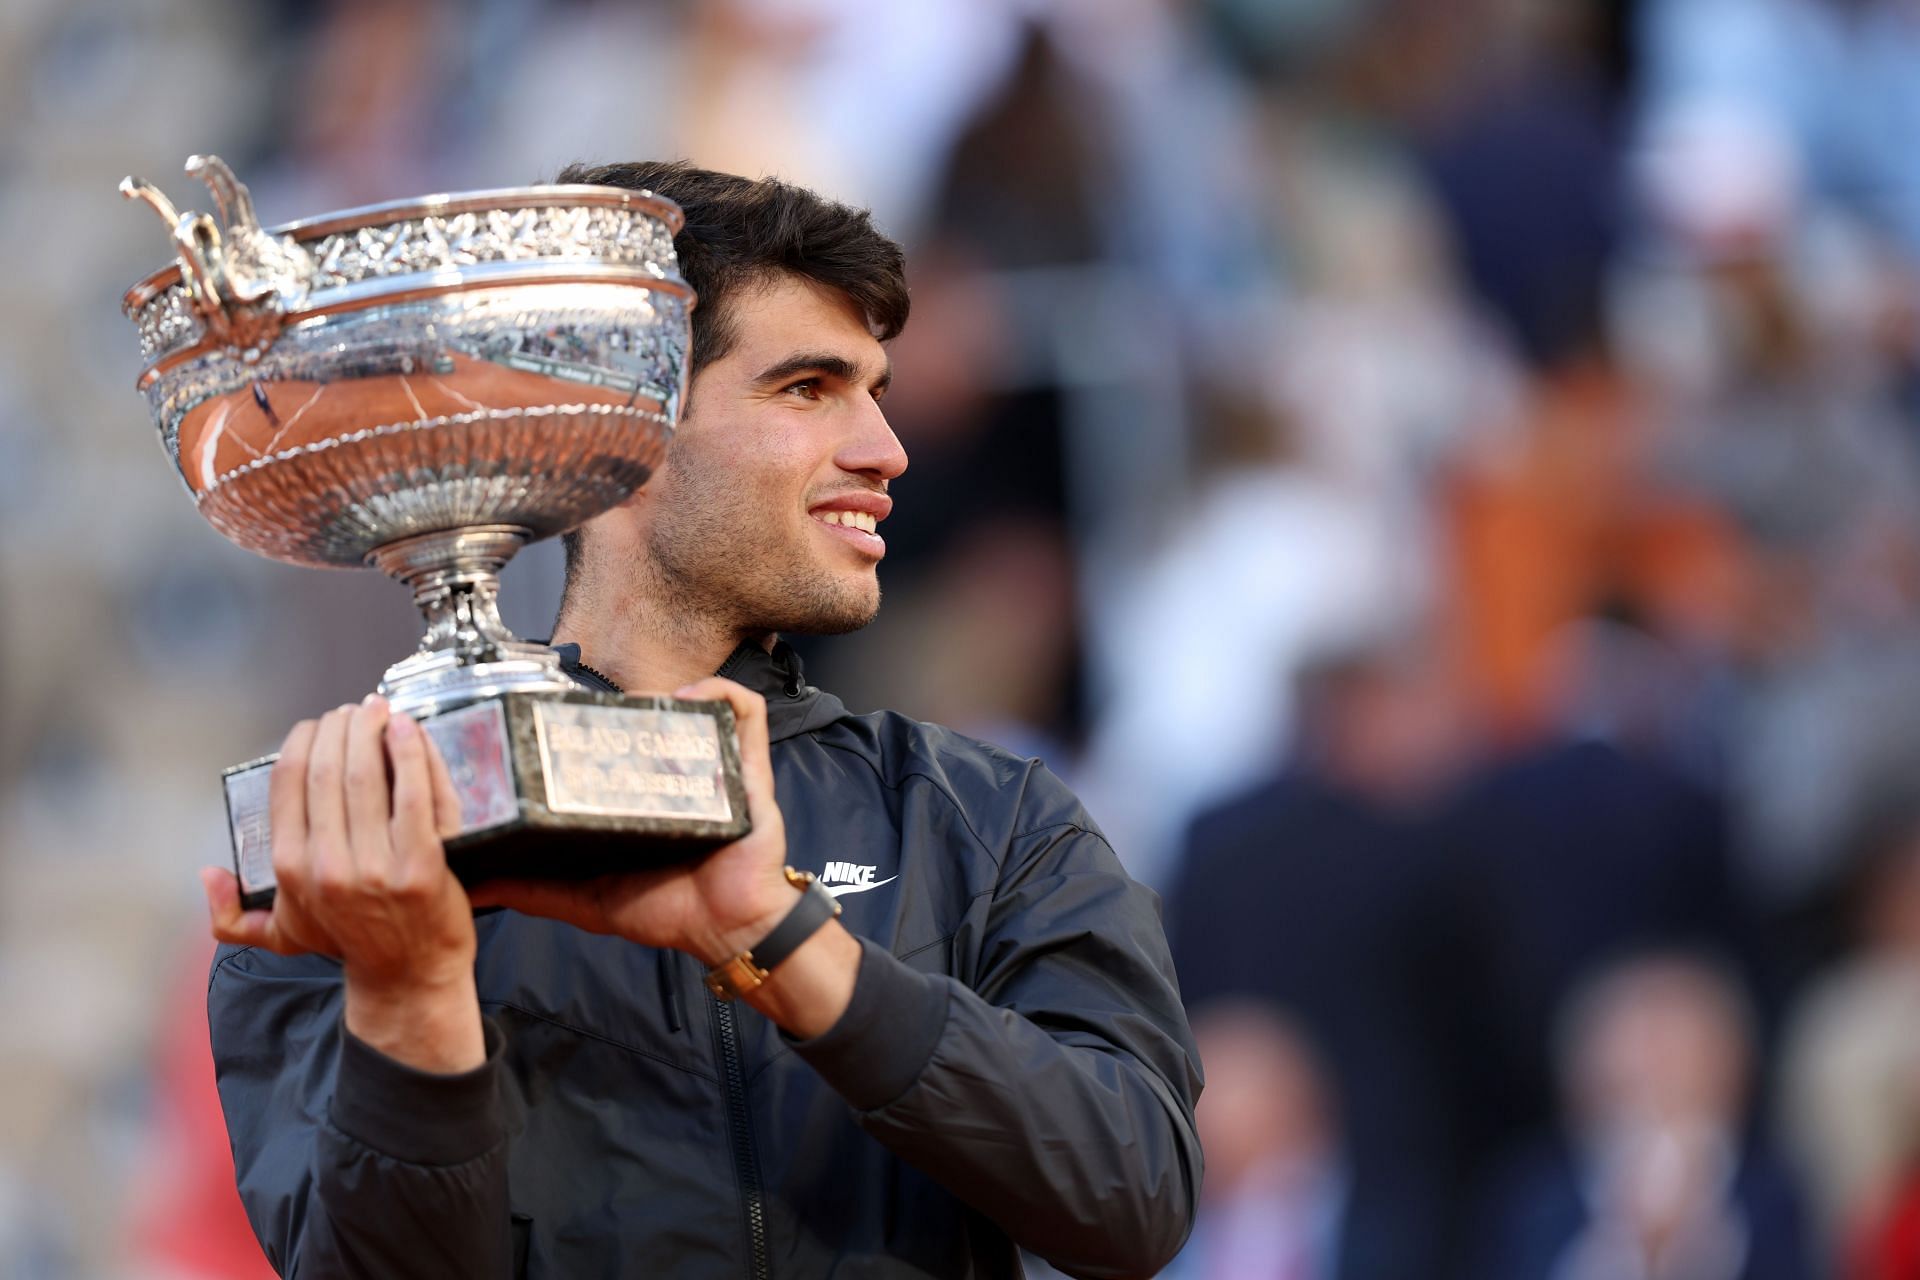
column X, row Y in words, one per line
column 763, row 516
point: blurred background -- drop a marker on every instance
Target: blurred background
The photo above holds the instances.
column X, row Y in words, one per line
column 1438, row 476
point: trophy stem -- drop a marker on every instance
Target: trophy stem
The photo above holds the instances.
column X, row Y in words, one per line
column 467, row 652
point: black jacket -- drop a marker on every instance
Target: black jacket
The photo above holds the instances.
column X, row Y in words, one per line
column 1015, row 1064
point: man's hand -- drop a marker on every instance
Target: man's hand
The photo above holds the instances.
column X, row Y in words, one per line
column 720, row 905
column 361, row 874
column 712, row 908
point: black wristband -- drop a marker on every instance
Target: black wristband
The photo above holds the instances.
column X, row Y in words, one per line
column 749, row 969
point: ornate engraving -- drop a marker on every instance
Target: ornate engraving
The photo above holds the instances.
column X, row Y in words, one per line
column 335, row 500
column 167, row 323
column 430, row 245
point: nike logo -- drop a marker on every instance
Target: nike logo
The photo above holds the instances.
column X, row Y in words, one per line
column 841, row 890
column 850, row 877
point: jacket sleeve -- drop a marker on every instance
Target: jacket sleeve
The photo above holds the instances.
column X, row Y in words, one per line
column 349, row 1163
column 1055, row 1093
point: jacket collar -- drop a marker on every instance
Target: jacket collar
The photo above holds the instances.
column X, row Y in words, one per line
column 793, row 706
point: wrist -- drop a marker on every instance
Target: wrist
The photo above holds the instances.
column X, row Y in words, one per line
column 758, row 919
column 808, row 994
column 429, row 1022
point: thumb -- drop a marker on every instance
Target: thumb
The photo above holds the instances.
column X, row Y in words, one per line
column 572, row 904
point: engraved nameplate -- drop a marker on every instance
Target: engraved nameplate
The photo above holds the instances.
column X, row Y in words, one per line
column 631, row 761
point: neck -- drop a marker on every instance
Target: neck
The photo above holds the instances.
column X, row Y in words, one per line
column 645, row 648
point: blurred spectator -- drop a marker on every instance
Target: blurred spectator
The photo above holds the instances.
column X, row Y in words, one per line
column 1769, row 316
column 1651, row 1176
column 1830, row 86
column 1276, row 1204
column 1787, row 419
column 1558, row 857
column 1271, row 568
column 1851, row 1062
column 1327, row 404
column 1524, row 158
column 1304, row 894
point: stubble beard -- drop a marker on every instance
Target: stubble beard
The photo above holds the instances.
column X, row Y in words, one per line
column 717, row 560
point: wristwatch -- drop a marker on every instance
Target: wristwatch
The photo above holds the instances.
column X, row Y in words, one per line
column 734, row 978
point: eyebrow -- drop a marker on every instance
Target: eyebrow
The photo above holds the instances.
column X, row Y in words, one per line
column 824, row 362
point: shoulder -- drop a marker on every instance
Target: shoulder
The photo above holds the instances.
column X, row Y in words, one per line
column 1004, row 796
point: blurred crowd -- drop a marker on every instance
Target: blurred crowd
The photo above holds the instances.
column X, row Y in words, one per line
column 1439, row 477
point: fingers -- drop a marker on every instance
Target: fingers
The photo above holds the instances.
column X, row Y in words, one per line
column 749, row 716
column 581, row 903
column 330, row 861
column 750, row 722
column 287, row 806
column 413, row 828
column 547, row 899
column 230, row 922
column 369, row 801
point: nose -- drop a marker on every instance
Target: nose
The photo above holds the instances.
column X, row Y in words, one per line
column 871, row 448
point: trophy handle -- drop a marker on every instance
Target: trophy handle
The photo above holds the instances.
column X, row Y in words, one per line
column 243, row 281
column 196, row 242
column 133, row 188
column 230, row 195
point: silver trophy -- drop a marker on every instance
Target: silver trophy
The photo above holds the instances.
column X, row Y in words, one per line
column 426, row 386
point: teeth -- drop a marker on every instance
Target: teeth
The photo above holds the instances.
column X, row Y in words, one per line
column 850, row 519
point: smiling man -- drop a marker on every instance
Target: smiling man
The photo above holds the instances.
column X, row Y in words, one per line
column 985, row 1048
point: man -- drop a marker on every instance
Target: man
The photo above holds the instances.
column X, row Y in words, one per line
column 987, row 1048
column 1655, row 1171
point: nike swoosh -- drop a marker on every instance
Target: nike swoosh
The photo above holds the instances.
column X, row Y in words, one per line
column 839, row 890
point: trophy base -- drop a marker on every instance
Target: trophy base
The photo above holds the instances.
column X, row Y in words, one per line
column 554, row 786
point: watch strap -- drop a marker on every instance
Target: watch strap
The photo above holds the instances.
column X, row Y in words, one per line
column 734, row 978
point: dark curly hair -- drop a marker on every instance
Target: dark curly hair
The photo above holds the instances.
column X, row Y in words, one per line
column 741, row 230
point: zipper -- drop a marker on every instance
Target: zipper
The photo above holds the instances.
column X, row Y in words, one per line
column 746, row 1163
column 601, row 676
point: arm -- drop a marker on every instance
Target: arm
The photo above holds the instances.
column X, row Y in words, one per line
column 362, row 1097
column 1056, row 1094
column 350, row 1163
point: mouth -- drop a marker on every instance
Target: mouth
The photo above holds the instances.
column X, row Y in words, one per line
column 853, row 520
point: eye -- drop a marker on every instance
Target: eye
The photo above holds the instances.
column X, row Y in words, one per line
column 806, row 389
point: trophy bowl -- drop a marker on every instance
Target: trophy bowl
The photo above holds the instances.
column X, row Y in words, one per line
column 424, row 386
